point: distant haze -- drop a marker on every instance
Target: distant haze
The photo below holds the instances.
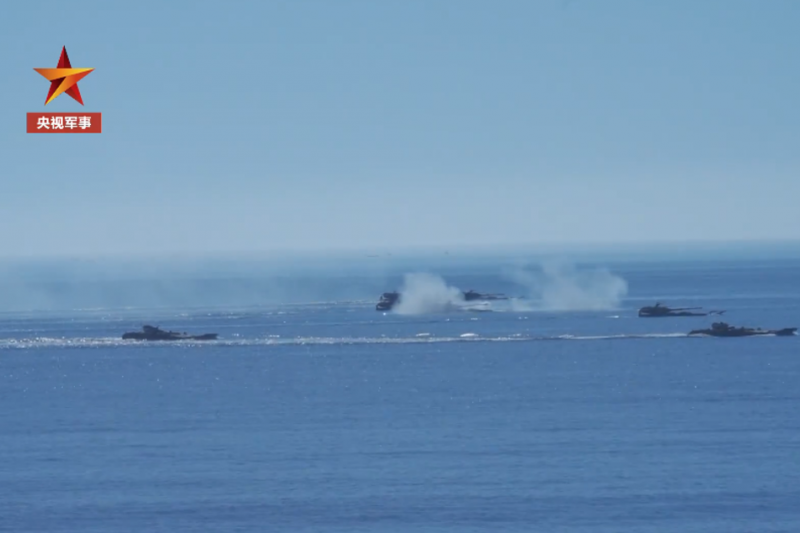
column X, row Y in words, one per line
column 551, row 278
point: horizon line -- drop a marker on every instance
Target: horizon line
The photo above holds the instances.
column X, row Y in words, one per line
column 373, row 251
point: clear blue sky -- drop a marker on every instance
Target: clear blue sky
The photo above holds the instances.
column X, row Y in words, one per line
column 304, row 124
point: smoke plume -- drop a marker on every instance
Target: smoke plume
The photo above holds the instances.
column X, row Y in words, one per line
column 426, row 293
column 558, row 286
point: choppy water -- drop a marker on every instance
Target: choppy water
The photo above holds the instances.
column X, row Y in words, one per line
column 334, row 417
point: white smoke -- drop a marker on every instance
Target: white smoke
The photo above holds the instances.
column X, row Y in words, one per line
column 427, row 293
column 558, row 286
column 553, row 286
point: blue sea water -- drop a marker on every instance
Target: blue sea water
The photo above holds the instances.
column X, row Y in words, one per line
column 327, row 415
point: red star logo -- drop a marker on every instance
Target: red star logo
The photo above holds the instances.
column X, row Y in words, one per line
column 64, row 78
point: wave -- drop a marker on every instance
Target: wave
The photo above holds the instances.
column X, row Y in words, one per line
column 275, row 340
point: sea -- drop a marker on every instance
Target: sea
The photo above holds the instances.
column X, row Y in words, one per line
column 558, row 411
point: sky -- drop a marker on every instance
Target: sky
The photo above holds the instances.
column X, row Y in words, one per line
column 299, row 124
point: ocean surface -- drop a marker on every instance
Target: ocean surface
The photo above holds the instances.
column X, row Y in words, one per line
column 562, row 412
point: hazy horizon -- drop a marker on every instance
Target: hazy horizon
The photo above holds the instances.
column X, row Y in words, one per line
column 594, row 274
column 742, row 248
